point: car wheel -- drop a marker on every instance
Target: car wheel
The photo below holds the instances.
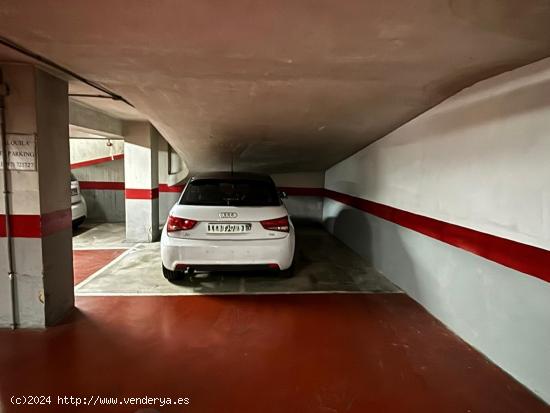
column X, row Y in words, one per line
column 170, row 275
column 77, row 222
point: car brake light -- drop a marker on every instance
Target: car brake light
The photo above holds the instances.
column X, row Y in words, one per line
column 179, row 224
column 277, row 224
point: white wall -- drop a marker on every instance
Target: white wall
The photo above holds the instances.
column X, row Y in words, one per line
column 86, row 149
column 304, row 208
column 104, row 205
column 476, row 160
column 300, row 179
column 480, row 160
column 112, row 171
column 167, row 199
column 107, row 205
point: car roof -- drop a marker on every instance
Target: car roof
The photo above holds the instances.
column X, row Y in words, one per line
column 232, row 176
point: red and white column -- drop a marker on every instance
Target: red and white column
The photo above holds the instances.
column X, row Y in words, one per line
column 40, row 233
column 141, row 181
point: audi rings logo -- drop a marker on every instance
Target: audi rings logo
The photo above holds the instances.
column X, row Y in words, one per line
column 228, row 215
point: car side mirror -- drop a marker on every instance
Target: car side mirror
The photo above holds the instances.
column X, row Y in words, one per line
column 283, row 195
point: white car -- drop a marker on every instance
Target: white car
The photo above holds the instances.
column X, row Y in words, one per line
column 78, row 203
column 227, row 221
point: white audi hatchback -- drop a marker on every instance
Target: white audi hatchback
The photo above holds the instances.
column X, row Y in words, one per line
column 227, row 221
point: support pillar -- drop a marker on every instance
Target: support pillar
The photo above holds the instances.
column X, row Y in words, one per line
column 141, row 182
column 39, row 231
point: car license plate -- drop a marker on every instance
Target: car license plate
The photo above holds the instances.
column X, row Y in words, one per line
column 215, row 228
column 74, row 191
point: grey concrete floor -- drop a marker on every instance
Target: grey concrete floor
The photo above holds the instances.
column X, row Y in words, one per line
column 91, row 235
column 322, row 264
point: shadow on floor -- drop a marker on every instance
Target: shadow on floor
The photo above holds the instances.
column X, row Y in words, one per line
column 82, row 228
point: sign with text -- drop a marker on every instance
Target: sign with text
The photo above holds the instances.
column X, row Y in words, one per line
column 21, row 152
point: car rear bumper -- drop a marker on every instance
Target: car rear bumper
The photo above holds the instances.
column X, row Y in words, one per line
column 212, row 254
column 79, row 210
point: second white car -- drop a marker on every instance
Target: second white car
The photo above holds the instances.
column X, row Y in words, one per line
column 79, row 210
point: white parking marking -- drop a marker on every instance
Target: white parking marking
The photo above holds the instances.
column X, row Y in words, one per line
column 109, row 247
column 98, row 272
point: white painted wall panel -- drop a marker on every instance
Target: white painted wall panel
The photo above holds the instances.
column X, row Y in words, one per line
column 300, row 179
column 166, row 202
column 86, row 149
column 112, row 171
column 481, row 160
column 104, row 205
column 25, row 200
column 305, row 208
column 141, row 224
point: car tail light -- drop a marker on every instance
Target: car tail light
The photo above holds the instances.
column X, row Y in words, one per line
column 179, row 224
column 277, row 224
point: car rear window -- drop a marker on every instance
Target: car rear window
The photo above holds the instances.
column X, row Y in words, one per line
column 238, row 192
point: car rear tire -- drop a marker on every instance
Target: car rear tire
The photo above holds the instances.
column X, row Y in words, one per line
column 77, row 222
column 171, row 275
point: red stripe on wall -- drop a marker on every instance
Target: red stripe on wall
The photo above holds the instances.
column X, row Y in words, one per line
column 96, row 161
column 101, row 185
column 512, row 254
column 120, row 186
column 36, row 226
column 173, row 188
column 21, row 226
column 131, row 193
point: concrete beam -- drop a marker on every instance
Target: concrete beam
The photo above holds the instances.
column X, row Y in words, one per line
column 89, row 120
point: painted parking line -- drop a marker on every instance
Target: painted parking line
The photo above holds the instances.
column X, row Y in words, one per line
column 100, row 247
column 87, row 262
column 109, row 265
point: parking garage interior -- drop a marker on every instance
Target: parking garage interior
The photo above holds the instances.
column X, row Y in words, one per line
column 411, row 143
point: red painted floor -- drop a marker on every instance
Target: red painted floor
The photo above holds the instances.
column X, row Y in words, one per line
column 87, row 262
column 269, row 353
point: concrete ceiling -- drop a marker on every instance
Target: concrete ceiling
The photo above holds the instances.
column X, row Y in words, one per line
column 290, row 85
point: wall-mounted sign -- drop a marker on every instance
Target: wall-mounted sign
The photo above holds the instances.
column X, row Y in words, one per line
column 21, row 152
